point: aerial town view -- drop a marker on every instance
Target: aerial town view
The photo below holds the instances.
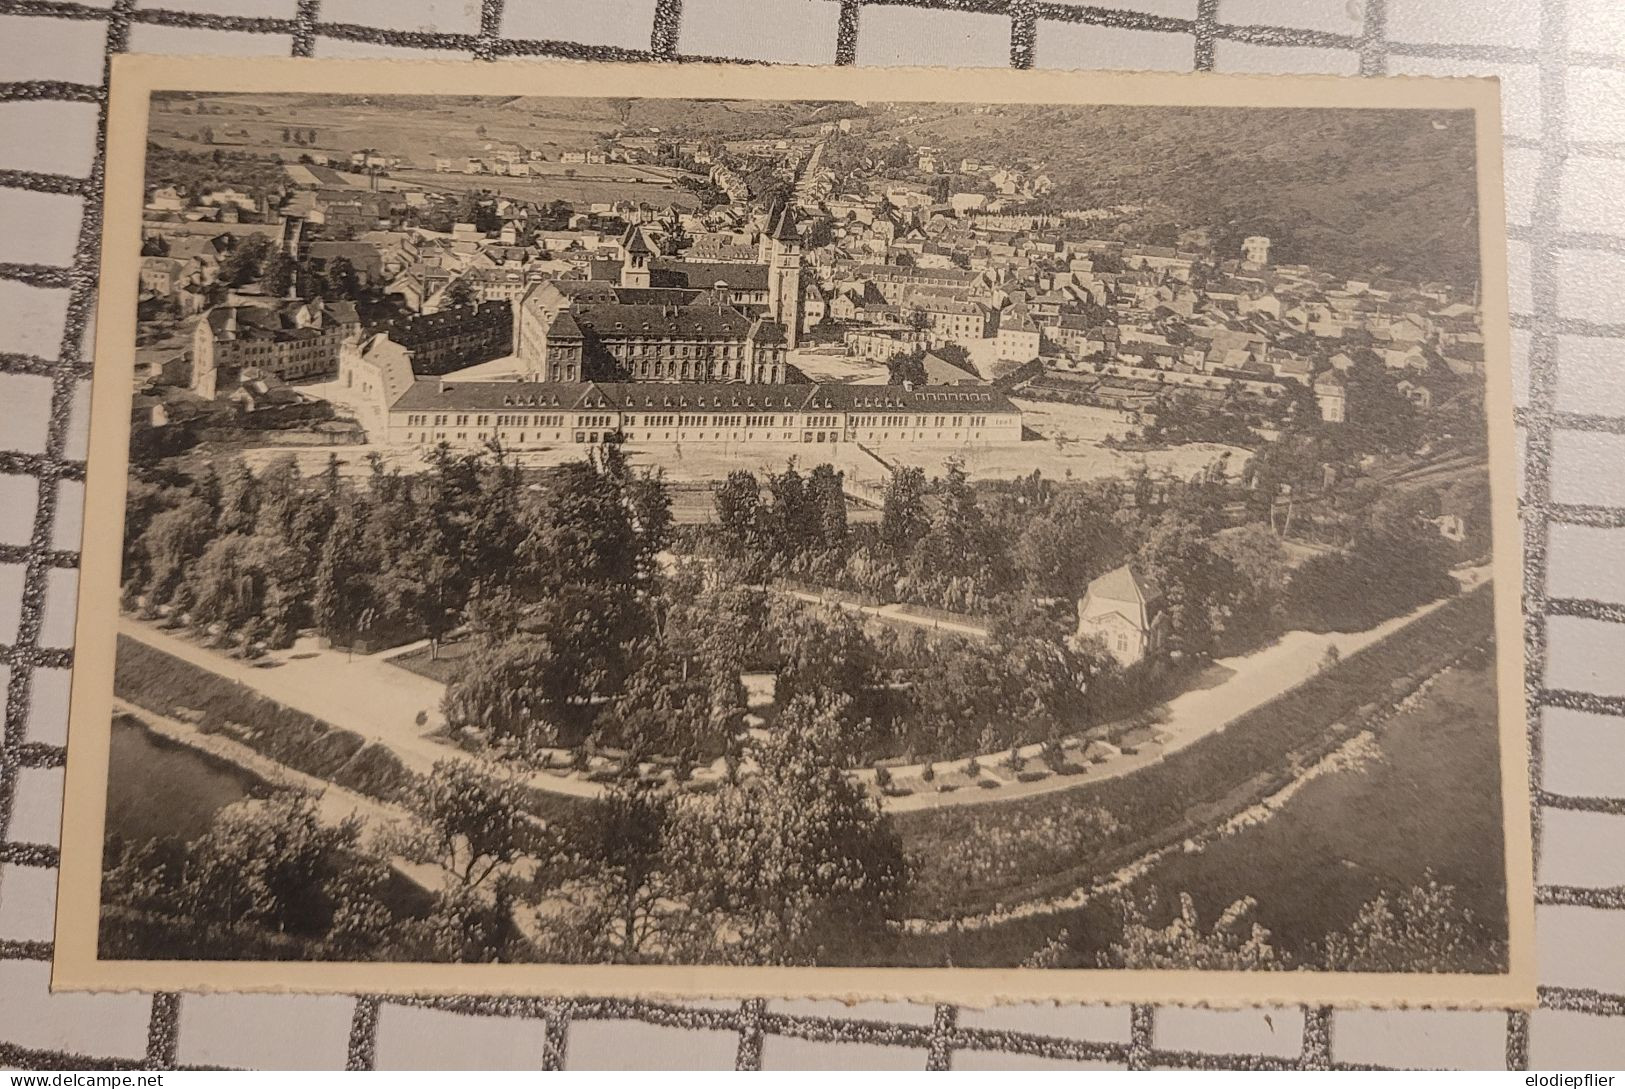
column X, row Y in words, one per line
column 807, row 533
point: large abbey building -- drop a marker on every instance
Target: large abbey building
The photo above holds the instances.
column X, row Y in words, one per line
column 648, row 318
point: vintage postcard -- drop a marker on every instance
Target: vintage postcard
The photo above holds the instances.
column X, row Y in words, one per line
column 970, row 536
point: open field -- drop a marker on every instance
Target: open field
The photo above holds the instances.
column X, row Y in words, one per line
column 577, row 190
column 417, row 129
column 1075, row 423
column 1180, row 795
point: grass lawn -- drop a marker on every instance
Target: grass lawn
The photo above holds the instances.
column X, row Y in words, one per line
column 1428, row 801
column 445, row 666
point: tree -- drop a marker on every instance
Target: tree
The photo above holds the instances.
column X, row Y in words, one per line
column 1234, row 943
column 738, row 504
column 826, row 501
column 244, row 263
column 663, row 709
column 903, row 519
column 626, row 863
column 1422, row 929
column 342, row 591
column 796, row 865
column 957, row 542
column 274, row 864
column 341, row 281
column 471, row 822
column 1200, row 587
column 460, row 293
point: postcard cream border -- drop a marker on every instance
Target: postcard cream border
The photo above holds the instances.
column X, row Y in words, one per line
column 135, row 77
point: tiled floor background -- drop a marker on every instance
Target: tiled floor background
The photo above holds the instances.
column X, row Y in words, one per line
column 1562, row 66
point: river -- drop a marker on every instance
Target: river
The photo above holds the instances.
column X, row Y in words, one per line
column 158, row 788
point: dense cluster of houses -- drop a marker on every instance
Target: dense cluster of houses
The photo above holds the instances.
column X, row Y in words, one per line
column 624, row 292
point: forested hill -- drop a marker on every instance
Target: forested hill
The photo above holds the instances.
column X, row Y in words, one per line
column 1357, row 192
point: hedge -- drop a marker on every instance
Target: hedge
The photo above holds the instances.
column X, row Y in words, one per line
column 166, row 685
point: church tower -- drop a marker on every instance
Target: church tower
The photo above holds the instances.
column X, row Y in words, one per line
column 635, row 254
column 784, row 275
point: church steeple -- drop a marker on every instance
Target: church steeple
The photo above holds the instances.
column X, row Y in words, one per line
column 783, row 245
column 635, row 254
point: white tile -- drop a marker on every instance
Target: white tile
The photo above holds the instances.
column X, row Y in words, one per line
column 36, row 808
column 1590, row 195
column 1520, row 167
column 1424, row 1039
column 1595, row 107
column 1564, row 1040
column 1171, row 9
column 35, row 47
column 188, row 41
column 70, row 515
column 435, row 16
column 410, row 1038
column 77, row 436
column 265, row 1032
column 1276, row 1032
column 1075, row 45
column 19, row 496
column 1520, row 366
column 47, row 704
column 1520, row 86
column 1590, row 284
column 1580, row 947
column 1332, row 16
column 900, row 35
column 1570, row 854
column 636, row 1045
column 791, row 1053
column 1585, row 562
column 1097, row 1024
column 96, row 1026
column 27, row 903
column 782, row 31
column 344, row 47
column 1490, row 22
column 252, row 9
column 27, row 418
column 1591, row 375
column 1585, row 468
column 61, row 595
column 35, row 317
column 973, row 1059
column 1231, row 56
column 1595, row 26
column 39, row 228
column 48, row 137
column 1581, row 754
column 903, row 1013
column 12, row 576
column 1585, row 655
column 1520, row 286
column 628, row 24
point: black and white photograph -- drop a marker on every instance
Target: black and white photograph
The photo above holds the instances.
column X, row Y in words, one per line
column 1061, row 533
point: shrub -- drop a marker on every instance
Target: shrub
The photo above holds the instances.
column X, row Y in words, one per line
column 882, row 776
